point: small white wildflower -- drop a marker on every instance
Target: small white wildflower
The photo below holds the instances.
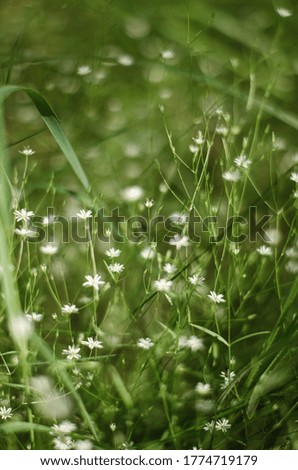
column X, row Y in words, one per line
column 292, row 266
column 92, row 343
column 167, row 54
column 84, row 70
column 169, row 268
column 147, row 253
column 193, row 148
column 264, row 250
column 27, row 151
column 125, row 60
column 48, row 220
column 231, row 175
column 113, row 253
column 222, row 130
column 149, row 203
column 216, row 298
column 295, row 194
column 284, row 12
column 35, row 317
column 209, row 427
column 94, row 282
column 195, row 280
column 23, row 215
column 179, row 241
column 65, row 427
column 228, row 378
column 71, row 353
column 84, row 215
column 113, row 427
column 294, row 177
column 203, row 389
column 69, row 309
column 195, row 344
column 132, row 193
column 5, row 413
column 116, row 268
column 198, row 139
column 163, row 285
column 242, row 162
column 83, row 444
column 145, row 343
column 63, row 443
column 25, row 232
column 49, row 249
column 222, row 425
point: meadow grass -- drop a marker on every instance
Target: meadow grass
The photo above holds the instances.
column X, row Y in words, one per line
column 148, row 234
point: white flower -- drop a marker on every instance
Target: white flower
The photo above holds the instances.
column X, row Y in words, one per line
column 222, row 130
column 113, row 253
column 92, row 343
column 94, row 282
column 179, row 241
column 27, row 151
column 49, row 249
column 209, row 427
column 48, row 220
column 71, row 353
column 163, row 285
column 193, row 343
column 116, row 268
column 65, row 427
column 195, row 280
column 284, row 12
column 179, row 218
column 231, row 175
column 167, row 54
column 25, row 232
column 169, row 268
column 242, row 162
column 125, row 60
column 83, row 444
column 149, row 203
column 145, row 343
column 228, row 378
column 69, row 309
column 147, row 253
column 63, row 443
column 203, row 389
column 294, row 177
column 84, row 70
column 35, row 317
column 295, row 194
column 84, row 215
column 5, row 413
column 222, row 425
column 113, row 427
column 198, row 139
column 264, row 250
column 132, row 193
column 216, row 298
column 23, row 215
column 193, row 148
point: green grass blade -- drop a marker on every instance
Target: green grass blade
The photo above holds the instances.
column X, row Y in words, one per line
column 53, row 124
